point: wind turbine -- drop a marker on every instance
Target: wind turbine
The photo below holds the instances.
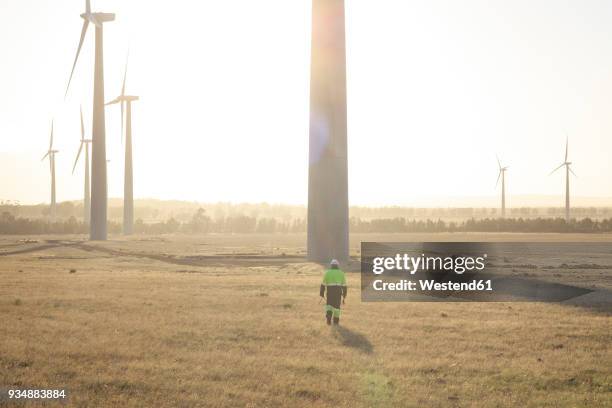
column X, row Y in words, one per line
column 502, row 174
column 328, row 215
column 568, row 169
column 51, row 154
column 128, row 183
column 87, row 197
column 99, row 193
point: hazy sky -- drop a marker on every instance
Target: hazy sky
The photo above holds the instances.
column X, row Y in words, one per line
column 435, row 89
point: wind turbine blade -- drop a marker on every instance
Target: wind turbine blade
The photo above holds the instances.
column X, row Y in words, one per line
column 77, row 157
column 45, row 156
column 572, row 171
column 557, row 168
column 566, row 144
column 498, row 176
column 51, row 138
column 125, row 74
column 498, row 162
column 114, row 101
column 122, row 122
column 83, row 32
column 82, row 126
column 87, row 7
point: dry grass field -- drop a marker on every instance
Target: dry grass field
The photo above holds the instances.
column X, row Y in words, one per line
column 234, row 321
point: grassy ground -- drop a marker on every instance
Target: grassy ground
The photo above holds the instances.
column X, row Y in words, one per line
column 155, row 322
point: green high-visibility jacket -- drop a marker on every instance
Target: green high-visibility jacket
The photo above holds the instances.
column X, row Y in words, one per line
column 335, row 283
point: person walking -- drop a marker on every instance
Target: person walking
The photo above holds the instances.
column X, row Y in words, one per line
column 334, row 283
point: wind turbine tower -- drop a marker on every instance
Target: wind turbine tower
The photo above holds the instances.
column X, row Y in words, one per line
column 568, row 170
column 99, row 191
column 328, row 231
column 128, row 183
column 87, row 196
column 51, row 154
column 502, row 175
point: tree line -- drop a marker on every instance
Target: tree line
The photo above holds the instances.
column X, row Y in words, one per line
column 157, row 211
column 201, row 223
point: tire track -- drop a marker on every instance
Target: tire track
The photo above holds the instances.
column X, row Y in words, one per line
column 202, row 260
column 49, row 245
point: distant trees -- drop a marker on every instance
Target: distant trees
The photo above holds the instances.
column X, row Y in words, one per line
column 9, row 224
column 201, row 223
column 525, row 225
column 284, row 216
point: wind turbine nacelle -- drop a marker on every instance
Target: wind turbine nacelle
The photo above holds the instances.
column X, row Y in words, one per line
column 99, row 17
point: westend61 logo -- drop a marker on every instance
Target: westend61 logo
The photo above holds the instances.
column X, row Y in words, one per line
column 412, row 264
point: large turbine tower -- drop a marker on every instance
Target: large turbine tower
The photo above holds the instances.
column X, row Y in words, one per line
column 87, row 197
column 51, row 154
column 328, row 174
column 502, row 175
column 128, row 184
column 568, row 169
column 99, row 193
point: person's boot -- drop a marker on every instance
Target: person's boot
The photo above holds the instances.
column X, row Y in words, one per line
column 328, row 316
column 336, row 321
